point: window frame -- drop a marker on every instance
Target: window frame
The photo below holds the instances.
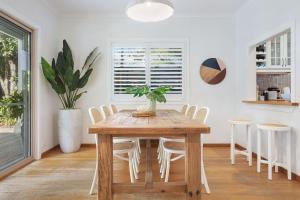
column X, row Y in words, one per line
column 33, row 151
column 148, row 43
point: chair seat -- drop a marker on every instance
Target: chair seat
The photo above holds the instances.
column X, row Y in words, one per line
column 124, row 146
column 175, row 147
column 173, row 139
column 240, row 121
column 123, row 139
column 274, row 127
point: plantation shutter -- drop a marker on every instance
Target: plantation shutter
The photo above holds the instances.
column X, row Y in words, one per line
column 166, row 68
column 150, row 63
column 129, row 68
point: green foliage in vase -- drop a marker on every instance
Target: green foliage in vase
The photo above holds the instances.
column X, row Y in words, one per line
column 157, row 94
column 66, row 81
column 11, row 109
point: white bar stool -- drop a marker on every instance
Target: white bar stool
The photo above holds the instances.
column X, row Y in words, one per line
column 273, row 130
column 233, row 150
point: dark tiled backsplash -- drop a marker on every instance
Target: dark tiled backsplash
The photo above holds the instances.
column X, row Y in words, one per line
column 264, row 81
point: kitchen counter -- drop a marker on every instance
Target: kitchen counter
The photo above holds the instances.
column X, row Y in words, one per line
column 272, row 102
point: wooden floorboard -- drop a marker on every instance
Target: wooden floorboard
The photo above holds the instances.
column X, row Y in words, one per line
column 68, row 177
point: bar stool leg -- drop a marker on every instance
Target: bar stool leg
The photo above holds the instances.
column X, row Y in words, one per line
column 249, row 149
column 247, row 142
column 289, row 168
column 270, row 155
column 258, row 150
column 276, row 150
column 232, row 146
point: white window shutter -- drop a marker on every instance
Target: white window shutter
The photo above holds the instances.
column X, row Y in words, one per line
column 129, row 68
column 166, row 68
column 148, row 63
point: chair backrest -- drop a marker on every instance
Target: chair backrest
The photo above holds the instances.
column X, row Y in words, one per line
column 184, row 109
column 202, row 114
column 105, row 111
column 190, row 113
column 95, row 115
column 113, row 108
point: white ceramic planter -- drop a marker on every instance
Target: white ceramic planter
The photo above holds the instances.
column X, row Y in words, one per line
column 70, row 130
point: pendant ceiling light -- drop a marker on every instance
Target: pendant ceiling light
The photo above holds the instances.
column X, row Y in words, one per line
column 150, row 10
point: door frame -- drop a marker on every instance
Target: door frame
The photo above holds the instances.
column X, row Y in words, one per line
column 34, row 64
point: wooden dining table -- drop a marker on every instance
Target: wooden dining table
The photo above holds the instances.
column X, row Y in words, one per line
column 166, row 123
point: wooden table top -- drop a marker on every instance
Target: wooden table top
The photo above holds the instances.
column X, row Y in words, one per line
column 166, row 122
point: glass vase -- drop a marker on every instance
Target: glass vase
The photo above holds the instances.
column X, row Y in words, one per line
column 152, row 105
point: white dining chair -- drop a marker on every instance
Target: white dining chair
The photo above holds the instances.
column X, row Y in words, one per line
column 136, row 154
column 190, row 113
column 184, row 108
column 106, row 111
column 119, row 148
column 113, row 108
column 162, row 139
column 177, row 148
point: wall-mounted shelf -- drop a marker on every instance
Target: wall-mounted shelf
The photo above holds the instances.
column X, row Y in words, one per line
column 269, row 70
column 273, row 102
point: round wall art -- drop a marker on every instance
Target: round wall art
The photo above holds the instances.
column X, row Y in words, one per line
column 213, row 71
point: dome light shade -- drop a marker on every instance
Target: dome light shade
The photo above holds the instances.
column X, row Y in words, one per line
column 149, row 10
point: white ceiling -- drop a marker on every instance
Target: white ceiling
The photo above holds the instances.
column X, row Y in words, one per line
column 117, row 7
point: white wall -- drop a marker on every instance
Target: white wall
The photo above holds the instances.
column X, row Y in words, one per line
column 36, row 14
column 208, row 37
column 254, row 20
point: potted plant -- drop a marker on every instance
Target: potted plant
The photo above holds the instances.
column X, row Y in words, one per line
column 153, row 95
column 68, row 83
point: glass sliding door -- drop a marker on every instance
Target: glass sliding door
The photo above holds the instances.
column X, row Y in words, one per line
column 15, row 104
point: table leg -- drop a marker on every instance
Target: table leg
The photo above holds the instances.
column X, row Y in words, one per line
column 193, row 166
column 148, row 173
column 105, row 170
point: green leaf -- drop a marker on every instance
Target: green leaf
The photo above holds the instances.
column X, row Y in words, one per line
column 75, row 82
column 68, row 77
column 58, row 87
column 79, row 95
column 157, row 94
column 53, row 64
column 90, row 60
column 47, row 70
column 68, row 55
column 61, row 86
column 84, row 79
column 60, row 64
column 66, row 64
column 49, row 74
column 161, row 98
